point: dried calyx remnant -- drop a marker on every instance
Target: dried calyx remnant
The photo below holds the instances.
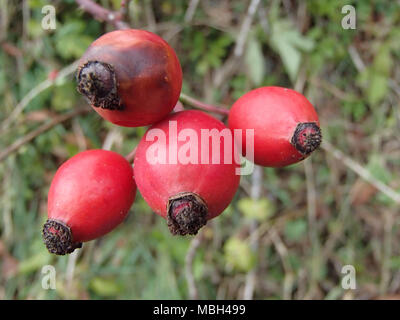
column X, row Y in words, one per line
column 307, row 137
column 98, row 83
column 58, row 238
column 186, row 213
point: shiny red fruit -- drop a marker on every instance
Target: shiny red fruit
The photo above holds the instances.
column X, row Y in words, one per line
column 285, row 123
column 89, row 196
column 130, row 77
column 176, row 176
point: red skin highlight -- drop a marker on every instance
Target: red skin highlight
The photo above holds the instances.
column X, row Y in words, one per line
column 273, row 113
column 92, row 193
column 148, row 73
column 216, row 184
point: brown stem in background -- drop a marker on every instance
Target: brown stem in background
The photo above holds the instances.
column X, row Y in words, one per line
column 190, row 255
column 131, row 155
column 103, row 14
column 255, row 194
column 184, row 98
column 43, row 128
column 19, row 108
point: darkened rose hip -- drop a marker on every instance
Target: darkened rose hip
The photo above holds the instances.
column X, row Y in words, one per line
column 89, row 196
column 186, row 193
column 130, row 77
column 285, row 123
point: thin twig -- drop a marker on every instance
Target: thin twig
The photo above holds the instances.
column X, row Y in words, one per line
column 79, row 134
column 361, row 171
column 312, row 223
column 356, row 58
column 103, row 14
column 43, row 128
column 69, row 274
column 184, row 98
column 386, row 251
column 228, row 67
column 35, row 92
column 131, row 155
column 245, row 29
column 112, row 136
column 191, row 253
column 191, row 10
column 124, row 8
column 151, row 20
column 283, row 254
column 255, row 193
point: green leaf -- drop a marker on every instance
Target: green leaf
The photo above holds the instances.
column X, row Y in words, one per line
column 289, row 44
column 295, row 230
column 254, row 60
column 64, row 96
column 378, row 170
column 71, row 40
column 34, row 262
column 378, row 88
column 383, row 61
column 256, row 209
column 239, row 255
column 290, row 56
column 105, row 287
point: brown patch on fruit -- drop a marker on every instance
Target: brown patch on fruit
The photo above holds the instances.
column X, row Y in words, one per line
column 307, row 137
column 57, row 237
column 110, row 74
column 97, row 82
column 186, row 213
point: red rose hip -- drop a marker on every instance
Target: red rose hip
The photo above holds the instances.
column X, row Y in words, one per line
column 178, row 172
column 90, row 195
column 130, row 77
column 286, row 125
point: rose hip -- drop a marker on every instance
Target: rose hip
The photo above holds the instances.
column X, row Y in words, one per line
column 90, row 195
column 130, row 77
column 190, row 187
column 286, row 125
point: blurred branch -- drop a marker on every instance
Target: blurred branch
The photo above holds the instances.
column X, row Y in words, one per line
column 361, row 171
column 124, row 8
column 255, row 194
column 191, row 10
column 388, row 222
column 194, row 245
column 245, row 29
column 284, row 256
column 43, row 128
column 184, row 98
column 228, row 67
column 131, row 155
column 151, row 20
column 312, row 223
column 356, row 58
column 69, row 273
column 263, row 18
column 335, row 91
column 103, row 14
column 112, row 136
column 36, row 91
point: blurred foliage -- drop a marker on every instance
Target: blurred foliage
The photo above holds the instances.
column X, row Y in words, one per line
column 312, row 218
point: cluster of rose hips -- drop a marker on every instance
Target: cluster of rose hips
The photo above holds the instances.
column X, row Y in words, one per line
column 133, row 78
